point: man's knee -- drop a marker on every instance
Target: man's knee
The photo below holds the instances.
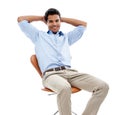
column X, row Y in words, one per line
column 105, row 87
column 66, row 88
column 102, row 89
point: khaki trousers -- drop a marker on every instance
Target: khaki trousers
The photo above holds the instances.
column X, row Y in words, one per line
column 61, row 82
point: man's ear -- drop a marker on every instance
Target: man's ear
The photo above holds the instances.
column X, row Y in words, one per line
column 44, row 20
column 61, row 19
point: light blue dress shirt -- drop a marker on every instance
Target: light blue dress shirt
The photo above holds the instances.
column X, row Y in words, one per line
column 52, row 50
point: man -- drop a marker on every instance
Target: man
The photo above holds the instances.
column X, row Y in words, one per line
column 52, row 51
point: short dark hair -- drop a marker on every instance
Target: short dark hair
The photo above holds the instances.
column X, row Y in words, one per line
column 51, row 11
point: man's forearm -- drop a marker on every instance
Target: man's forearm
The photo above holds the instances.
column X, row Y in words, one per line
column 30, row 18
column 73, row 22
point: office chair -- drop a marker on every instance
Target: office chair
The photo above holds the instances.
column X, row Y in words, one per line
column 34, row 62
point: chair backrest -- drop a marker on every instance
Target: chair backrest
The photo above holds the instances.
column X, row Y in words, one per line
column 34, row 62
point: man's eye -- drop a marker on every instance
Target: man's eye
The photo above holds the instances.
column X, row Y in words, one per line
column 50, row 21
column 57, row 20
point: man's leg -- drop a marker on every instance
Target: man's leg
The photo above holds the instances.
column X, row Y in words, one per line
column 98, row 87
column 63, row 90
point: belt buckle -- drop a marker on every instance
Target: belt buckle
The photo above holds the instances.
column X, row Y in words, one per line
column 57, row 69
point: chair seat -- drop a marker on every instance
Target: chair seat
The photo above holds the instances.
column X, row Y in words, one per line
column 73, row 89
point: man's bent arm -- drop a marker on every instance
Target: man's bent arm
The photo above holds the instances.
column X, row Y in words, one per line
column 73, row 22
column 30, row 18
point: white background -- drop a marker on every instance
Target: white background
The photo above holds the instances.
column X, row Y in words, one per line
column 97, row 53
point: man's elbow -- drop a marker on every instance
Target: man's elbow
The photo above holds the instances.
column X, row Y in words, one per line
column 85, row 24
column 19, row 19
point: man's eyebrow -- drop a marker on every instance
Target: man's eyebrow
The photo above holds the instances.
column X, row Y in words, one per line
column 50, row 20
column 57, row 19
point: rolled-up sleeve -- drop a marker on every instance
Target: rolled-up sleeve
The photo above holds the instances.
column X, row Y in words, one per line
column 76, row 34
column 29, row 30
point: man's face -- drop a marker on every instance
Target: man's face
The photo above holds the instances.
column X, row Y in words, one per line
column 53, row 23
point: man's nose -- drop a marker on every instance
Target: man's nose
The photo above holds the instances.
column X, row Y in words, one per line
column 54, row 23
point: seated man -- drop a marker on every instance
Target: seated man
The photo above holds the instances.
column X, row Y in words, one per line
column 53, row 55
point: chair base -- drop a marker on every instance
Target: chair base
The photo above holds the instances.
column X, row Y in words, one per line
column 72, row 112
column 55, row 113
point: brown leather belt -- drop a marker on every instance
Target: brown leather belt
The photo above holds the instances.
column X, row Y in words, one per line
column 55, row 69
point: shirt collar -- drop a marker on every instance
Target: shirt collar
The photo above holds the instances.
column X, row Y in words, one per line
column 59, row 32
